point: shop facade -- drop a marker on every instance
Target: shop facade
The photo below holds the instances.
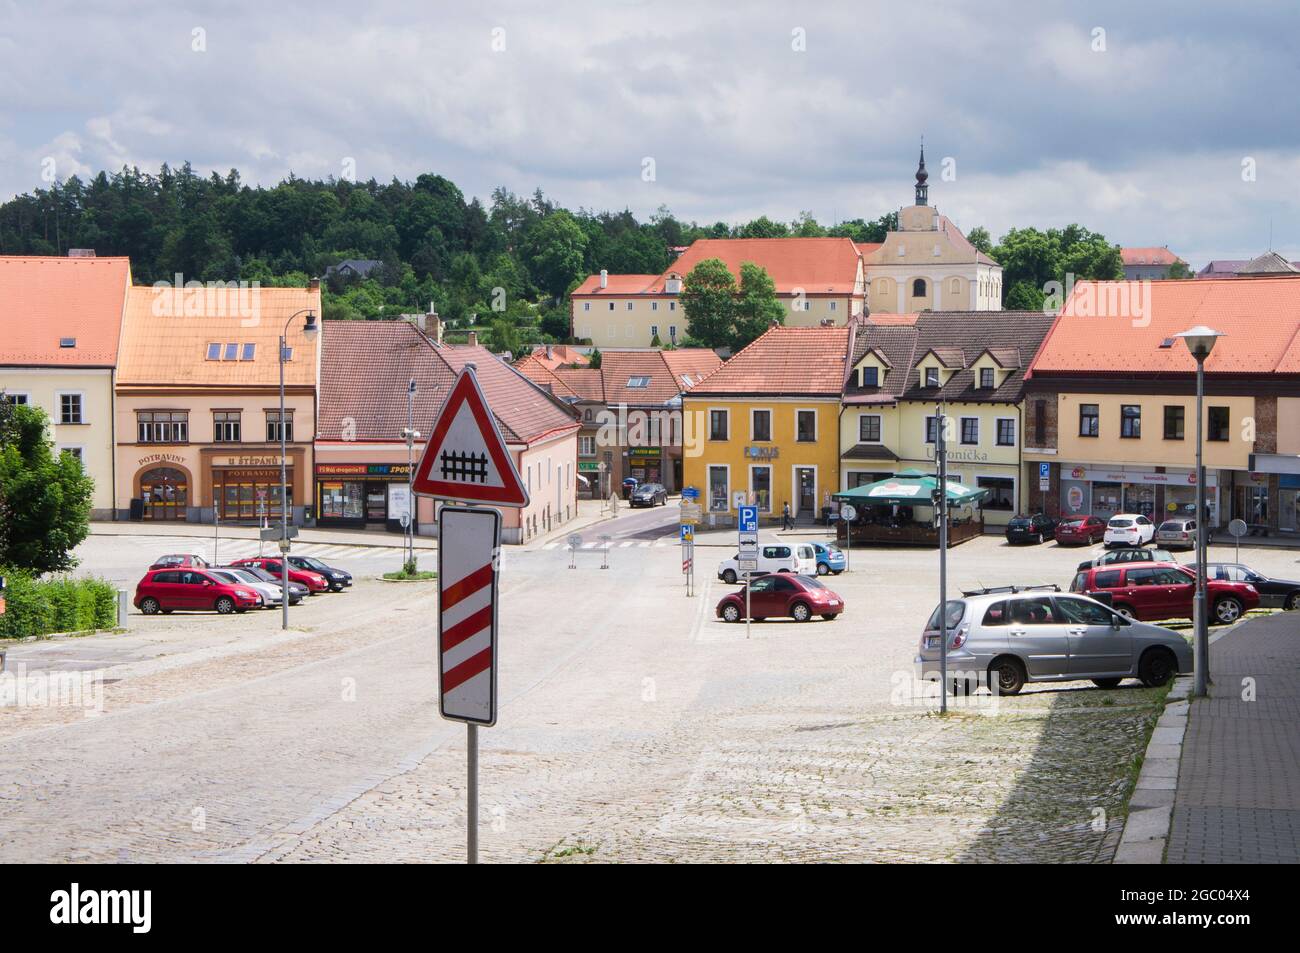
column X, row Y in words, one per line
column 363, row 495
column 1157, row 493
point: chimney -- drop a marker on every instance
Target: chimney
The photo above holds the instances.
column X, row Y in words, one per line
column 421, row 321
column 604, row 279
column 774, row 323
column 548, row 352
column 313, row 285
column 473, row 339
column 81, row 253
column 434, row 323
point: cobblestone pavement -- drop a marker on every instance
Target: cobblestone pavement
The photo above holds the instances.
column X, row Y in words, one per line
column 633, row 726
column 1238, row 797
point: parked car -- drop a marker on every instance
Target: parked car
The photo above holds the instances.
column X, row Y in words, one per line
column 1030, row 529
column 297, row 591
column 337, row 578
column 775, row 557
column 649, row 494
column 1165, row 591
column 271, row 594
column 313, row 580
column 166, row 590
column 830, row 559
column 780, row 595
column 174, row 560
column 1129, row 529
column 1007, row 637
column 1111, row 557
column 1273, row 593
column 1080, row 530
column 1177, row 532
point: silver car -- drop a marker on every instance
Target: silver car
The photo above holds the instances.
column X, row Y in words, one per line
column 1177, row 532
column 1010, row 636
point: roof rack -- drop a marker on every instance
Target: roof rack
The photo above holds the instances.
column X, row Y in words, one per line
column 988, row 591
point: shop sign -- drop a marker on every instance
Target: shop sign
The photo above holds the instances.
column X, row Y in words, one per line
column 273, row 460
column 588, row 466
column 161, row 458
column 1075, row 498
column 251, row 473
column 643, row 452
column 762, row 453
column 1175, row 478
column 362, row 469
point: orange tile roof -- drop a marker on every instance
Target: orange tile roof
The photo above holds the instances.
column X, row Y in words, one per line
column 1147, row 256
column 1259, row 316
column 816, row 265
column 44, row 299
column 783, row 361
column 665, row 377
column 557, row 355
column 616, row 285
column 166, row 334
column 868, row 248
column 885, row 318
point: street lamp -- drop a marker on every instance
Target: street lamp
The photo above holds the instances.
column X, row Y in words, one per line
column 309, row 329
column 1200, row 342
column 411, row 435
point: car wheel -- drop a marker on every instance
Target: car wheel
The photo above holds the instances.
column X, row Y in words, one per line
column 729, row 577
column 800, row 612
column 730, row 613
column 1107, row 682
column 1292, row 601
column 1125, row 611
column 225, row 605
column 1008, row 674
column 823, row 569
column 337, row 587
column 150, row 606
column 1227, row 610
column 1157, row 667
column 830, row 616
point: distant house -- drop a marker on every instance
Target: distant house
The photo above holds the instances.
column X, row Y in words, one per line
column 353, row 268
column 1270, row 263
column 1147, row 264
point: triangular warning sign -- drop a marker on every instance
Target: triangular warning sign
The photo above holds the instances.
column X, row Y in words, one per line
column 465, row 458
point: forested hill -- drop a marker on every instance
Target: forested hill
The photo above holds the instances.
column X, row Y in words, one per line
column 435, row 244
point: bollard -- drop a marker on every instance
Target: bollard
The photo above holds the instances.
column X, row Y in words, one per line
column 123, row 606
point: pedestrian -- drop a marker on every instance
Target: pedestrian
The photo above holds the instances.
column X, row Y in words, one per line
column 786, row 521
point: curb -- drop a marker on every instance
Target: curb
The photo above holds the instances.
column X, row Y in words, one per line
column 1151, row 806
column 431, row 546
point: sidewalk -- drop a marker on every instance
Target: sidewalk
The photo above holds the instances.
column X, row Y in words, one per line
column 1238, row 795
column 322, row 536
column 590, row 512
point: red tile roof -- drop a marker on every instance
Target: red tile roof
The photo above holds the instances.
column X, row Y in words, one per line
column 616, row 285
column 1260, row 316
column 365, row 367
column 44, row 299
column 1148, row 256
column 815, row 265
column 665, row 376
column 557, row 355
column 783, row 361
column 898, row 320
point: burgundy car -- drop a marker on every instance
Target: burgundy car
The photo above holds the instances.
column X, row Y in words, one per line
column 1150, row 592
column 314, row 581
column 785, row 595
column 1080, row 531
column 181, row 561
column 166, row 590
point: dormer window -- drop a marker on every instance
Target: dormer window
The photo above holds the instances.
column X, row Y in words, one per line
column 67, row 342
column 638, row 383
column 932, row 377
column 870, row 377
column 987, row 378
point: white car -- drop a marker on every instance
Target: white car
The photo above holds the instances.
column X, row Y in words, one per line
column 798, row 558
column 1129, row 529
column 236, row 577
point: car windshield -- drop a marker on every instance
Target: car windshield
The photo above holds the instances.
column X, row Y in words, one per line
column 956, row 608
column 312, row 562
column 225, row 576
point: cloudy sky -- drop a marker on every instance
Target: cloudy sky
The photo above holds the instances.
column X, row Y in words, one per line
column 1153, row 123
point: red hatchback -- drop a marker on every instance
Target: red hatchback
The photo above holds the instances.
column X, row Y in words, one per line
column 314, row 581
column 1081, row 531
column 166, row 590
column 782, row 594
column 1153, row 591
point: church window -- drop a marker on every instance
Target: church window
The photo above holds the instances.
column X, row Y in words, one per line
column 918, row 288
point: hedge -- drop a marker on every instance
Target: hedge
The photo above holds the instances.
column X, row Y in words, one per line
column 60, row 604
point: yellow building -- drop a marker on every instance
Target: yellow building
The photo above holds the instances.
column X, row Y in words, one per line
column 764, row 427
column 972, row 366
column 60, row 322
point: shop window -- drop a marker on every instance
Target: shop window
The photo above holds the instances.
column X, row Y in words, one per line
column 225, row 426
column 273, row 426
column 1130, row 421
column 760, row 487
column 1002, row 492
column 1218, row 424
column 718, row 490
column 1173, row 422
column 1089, row 420
column 343, row 500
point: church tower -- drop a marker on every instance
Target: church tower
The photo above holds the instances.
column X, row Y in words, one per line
column 922, row 189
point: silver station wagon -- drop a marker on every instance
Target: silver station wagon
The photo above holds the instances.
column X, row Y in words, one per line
column 1007, row 637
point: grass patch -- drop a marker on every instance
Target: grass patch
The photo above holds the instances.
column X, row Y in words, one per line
column 410, row 572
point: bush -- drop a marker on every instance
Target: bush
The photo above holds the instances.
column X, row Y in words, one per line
column 39, row 607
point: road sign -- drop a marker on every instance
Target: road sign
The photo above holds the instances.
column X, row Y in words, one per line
column 466, row 459
column 691, row 513
column 686, row 565
column 273, row 532
column 848, row 512
column 748, row 565
column 574, row 541
column 1237, row 528
column 468, row 542
column 690, row 493
column 1044, row 476
column 688, row 532
column 749, row 519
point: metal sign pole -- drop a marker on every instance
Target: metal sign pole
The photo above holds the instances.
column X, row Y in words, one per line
column 748, row 579
column 941, row 451
column 471, row 805
column 216, row 530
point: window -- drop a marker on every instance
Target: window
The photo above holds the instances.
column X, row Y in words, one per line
column 970, row 430
column 67, row 342
column 918, row 288
column 1088, row 420
column 1218, row 424
column 1173, row 423
column 672, row 305
column 654, row 331
column 214, row 352
column 1106, row 580
column 250, row 350
column 805, row 426
column 986, row 378
column 930, row 429
column 718, row 420
column 1006, row 436
column 932, row 377
column 638, row 383
column 1037, row 611
column 586, row 446
column 654, row 305
column 869, row 428
column 162, row 426
column 672, row 332
column 74, row 452
column 833, row 303
column 1040, row 422
column 586, row 306
column 718, row 490
column 273, row 426
column 611, row 306
column 225, row 426
column 1002, row 492
column 760, row 485
column 232, row 352
column 16, row 400
column 629, row 305
column 870, row 377
column 1130, row 421
column 70, row 409
column 760, row 425
column 1083, row 612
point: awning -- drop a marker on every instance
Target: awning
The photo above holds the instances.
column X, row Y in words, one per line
column 869, row 451
column 909, row 486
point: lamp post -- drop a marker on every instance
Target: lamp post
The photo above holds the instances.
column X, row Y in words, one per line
column 1200, row 342
column 309, row 329
column 411, row 435
column 940, row 501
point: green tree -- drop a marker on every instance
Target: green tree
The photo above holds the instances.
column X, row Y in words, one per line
column 1179, row 270
column 553, row 251
column 756, row 307
column 763, row 227
column 593, row 359
column 709, row 299
column 980, row 238
column 44, row 499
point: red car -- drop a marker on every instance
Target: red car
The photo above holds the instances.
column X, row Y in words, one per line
column 1080, row 530
column 1153, row 591
column 782, row 594
column 314, row 581
column 166, row 590
column 181, row 561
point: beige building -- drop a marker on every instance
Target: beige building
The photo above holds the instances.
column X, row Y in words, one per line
column 60, row 322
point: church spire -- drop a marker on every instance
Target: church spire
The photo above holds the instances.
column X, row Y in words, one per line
column 922, row 189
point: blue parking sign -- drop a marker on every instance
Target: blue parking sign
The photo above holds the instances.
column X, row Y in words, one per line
column 1044, row 471
column 749, row 519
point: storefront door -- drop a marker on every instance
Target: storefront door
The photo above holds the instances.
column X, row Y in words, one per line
column 249, row 494
column 807, row 503
column 165, row 492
